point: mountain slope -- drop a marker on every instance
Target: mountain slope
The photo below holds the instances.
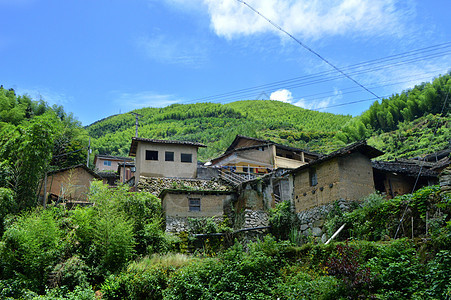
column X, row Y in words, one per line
column 216, row 125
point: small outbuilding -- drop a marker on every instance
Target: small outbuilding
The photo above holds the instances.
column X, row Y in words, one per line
column 71, row 183
column 179, row 205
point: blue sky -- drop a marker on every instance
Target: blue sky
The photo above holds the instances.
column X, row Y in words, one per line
column 98, row 58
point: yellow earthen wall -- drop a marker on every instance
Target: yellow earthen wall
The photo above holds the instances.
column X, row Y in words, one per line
column 177, row 205
column 75, row 182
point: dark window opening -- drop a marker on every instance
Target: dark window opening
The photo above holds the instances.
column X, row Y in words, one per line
column 290, row 156
column 186, row 158
column 151, row 155
column 313, row 177
column 194, row 204
column 169, row 156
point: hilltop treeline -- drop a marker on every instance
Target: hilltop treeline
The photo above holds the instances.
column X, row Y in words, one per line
column 424, row 99
column 216, row 125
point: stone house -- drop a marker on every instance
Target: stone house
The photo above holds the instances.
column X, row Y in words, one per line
column 164, row 158
column 180, row 204
column 257, row 156
column 345, row 174
column 69, row 183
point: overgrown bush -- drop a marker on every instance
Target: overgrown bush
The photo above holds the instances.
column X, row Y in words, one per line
column 30, row 245
column 282, row 219
column 300, row 283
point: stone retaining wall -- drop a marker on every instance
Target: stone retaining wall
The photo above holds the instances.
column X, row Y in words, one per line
column 312, row 220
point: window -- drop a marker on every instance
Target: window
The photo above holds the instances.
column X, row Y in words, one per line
column 169, row 156
column 107, row 163
column 290, row 156
column 313, row 177
column 186, row 158
column 194, row 204
column 151, row 155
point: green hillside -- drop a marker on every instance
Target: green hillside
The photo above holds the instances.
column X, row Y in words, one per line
column 401, row 125
column 216, row 125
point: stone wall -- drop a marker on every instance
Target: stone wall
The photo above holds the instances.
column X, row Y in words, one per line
column 445, row 180
column 155, row 185
column 181, row 224
column 312, row 220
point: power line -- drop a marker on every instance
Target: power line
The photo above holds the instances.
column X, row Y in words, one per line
column 357, row 69
column 309, row 49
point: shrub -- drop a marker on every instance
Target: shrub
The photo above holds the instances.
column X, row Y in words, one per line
column 282, row 219
column 347, row 266
column 298, row 283
column 31, row 245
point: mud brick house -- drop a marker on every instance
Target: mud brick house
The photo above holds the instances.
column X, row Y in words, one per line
column 345, row 174
column 394, row 178
column 164, row 158
column 70, row 183
column 252, row 155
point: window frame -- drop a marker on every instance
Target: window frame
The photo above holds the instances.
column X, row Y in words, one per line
column 166, row 153
column 194, row 204
column 152, row 155
column 313, row 177
column 184, row 160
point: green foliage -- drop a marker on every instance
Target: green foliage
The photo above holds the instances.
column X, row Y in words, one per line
column 298, row 283
column 217, row 125
column 400, row 274
column 7, row 205
column 439, row 276
column 30, row 245
column 399, row 109
column 282, row 220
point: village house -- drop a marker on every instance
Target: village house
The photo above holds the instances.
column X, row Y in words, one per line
column 257, row 156
column 69, row 183
column 164, row 158
column 109, row 162
column 111, row 168
column 345, row 174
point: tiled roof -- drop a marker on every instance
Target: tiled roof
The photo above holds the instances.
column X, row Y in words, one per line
column 135, row 141
column 361, row 147
column 403, row 167
column 75, row 167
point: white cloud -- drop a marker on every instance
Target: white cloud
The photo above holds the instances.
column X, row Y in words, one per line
column 281, row 95
column 46, row 94
column 173, row 50
column 130, row 101
column 319, row 104
column 312, row 19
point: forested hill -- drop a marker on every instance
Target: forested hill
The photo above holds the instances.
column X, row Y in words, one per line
column 217, row 124
column 402, row 125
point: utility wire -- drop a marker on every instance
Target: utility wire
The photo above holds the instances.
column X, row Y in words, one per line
column 309, row 49
column 421, row 168
column 316, row 78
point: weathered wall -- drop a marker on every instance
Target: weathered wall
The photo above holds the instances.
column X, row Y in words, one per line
column 356, row 177
column 445, row 180
column 162, row 168
column 176, row 208
column 348, row 178
column 71, row 184
column 306, row 196
column 155, row 185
